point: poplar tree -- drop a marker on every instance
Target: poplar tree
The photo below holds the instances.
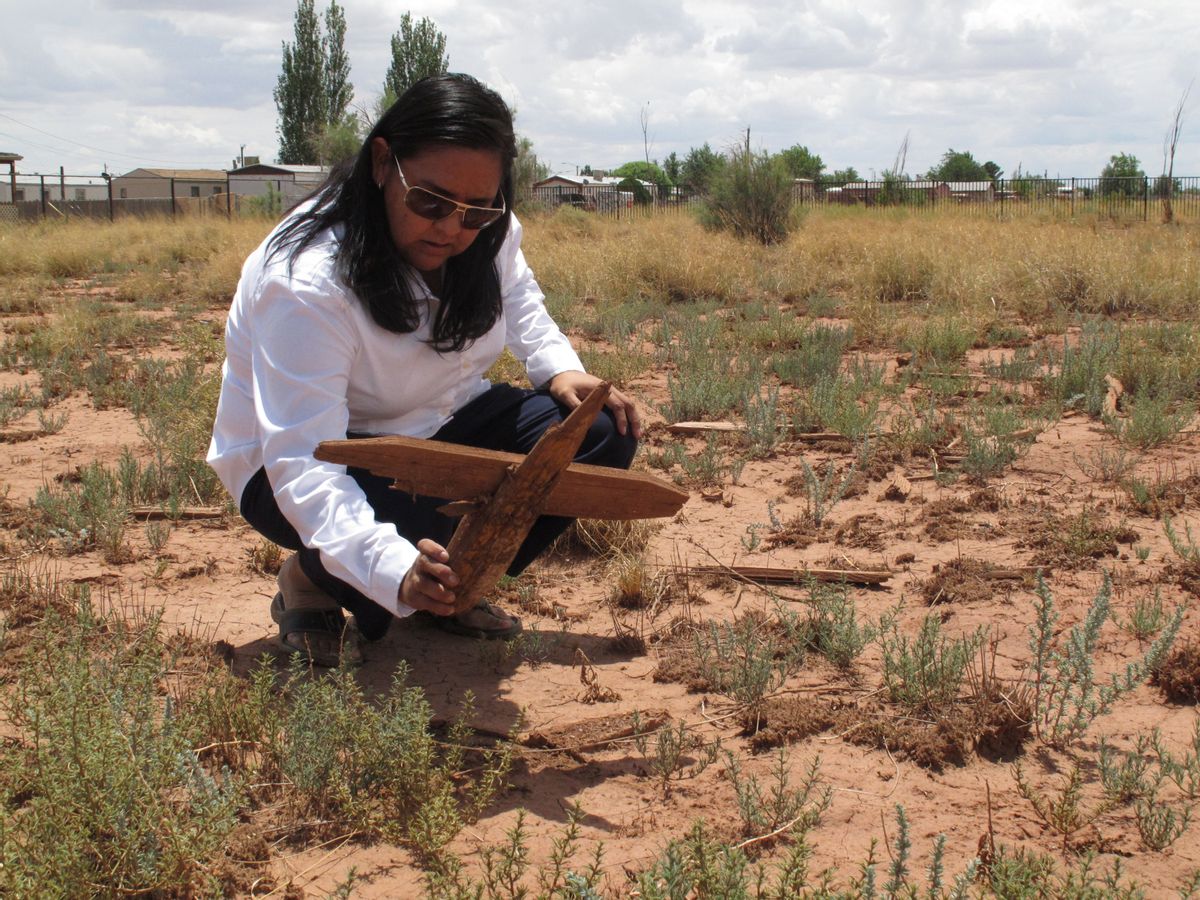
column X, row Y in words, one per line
column 313, row 91
column 418, row 51
column 336, row 78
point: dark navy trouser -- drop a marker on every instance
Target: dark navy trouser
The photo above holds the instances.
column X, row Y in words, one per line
column 503, row 418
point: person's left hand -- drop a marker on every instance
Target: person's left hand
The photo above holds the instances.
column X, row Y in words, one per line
column 570, row 389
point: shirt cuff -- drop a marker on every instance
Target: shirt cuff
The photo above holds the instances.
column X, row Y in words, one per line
column 549, row 361
column 390, row 568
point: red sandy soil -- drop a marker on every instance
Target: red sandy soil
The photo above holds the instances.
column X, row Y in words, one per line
column 204, row 581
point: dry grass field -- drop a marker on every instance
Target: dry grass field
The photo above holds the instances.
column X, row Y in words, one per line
column 997, row 419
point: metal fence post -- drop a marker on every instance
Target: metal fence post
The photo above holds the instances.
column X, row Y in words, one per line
column 172, row 198
column 1072, row 198
column 111, row 216
column 42, row 193
column 62, row 191
column 228, row 199
column 1145, row 198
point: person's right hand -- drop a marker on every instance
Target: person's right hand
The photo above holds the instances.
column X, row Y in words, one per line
column 429, row 584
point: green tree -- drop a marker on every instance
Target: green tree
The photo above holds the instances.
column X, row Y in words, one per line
column 802, row 164
column 313, row 90
column 337, row 143
column 586, row 171
column 1123, row 176
column 418, row 51
column 700, row 167
column 1029, row 185
column 299, row 93
column 341, row 135
column 958, row 165
column 842, row 176
column 527, row 170
column 632, row 185
column 673, row 166
column 335, row 77
column 644, row 171
column 994, row 171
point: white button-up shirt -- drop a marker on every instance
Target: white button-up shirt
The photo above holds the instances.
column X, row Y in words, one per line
column 305, row 362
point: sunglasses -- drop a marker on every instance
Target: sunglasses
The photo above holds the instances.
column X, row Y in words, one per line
column 428, row 205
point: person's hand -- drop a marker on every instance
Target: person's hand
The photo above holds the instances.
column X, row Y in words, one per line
column 430, row 583
column 571, row 388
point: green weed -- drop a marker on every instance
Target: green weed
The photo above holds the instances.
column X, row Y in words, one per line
column 816, row 357
column 767, row 806
column 1068, row 697
column 670, row 753
column 109, row 790
column 1153, row 421
column 745, row 660
column 1148, row 616
column 832, row 625
column 927, row 672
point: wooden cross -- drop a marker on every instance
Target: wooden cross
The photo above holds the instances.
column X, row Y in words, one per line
column 500, row 495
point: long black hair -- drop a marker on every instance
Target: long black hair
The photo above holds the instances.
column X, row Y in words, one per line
column 448, row 110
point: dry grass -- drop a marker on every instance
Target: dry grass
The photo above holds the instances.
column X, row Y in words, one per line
column 983, row 270
column 210, row 251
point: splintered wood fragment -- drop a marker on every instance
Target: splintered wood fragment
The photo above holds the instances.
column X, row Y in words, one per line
column 700, row 427
column 820, row 437
column 486, row 540
column 967, row 375
column 595, row 734
column 816, row 437
column 1113, row 396
column 456, row 473
column 1007, row 574
column 794, row 576
column 183, row 512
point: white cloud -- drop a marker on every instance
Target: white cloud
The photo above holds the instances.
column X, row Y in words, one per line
column 1058, row 87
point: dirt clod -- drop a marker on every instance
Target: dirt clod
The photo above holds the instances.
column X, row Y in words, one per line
column 1179, row 675
column 865, row 531
column 965, row 580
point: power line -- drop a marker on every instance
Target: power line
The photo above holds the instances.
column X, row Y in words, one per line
column 32, row 143
column 59, row 137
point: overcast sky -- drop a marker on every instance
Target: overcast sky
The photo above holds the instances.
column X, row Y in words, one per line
column 1056, row 87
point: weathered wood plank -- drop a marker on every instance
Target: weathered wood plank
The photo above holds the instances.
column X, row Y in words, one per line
column 794, row 576
column 184, row 512
column 701, row 427
column 487, row 539
column 454, row 472
column 817, row 437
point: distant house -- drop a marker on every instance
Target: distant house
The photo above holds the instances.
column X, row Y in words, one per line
column 803, row 188
column 8, row 212
column 51, row 189
column 873, row 192
column 156, row 184
column 292, row 183
column 586, row 191
column 972, row 191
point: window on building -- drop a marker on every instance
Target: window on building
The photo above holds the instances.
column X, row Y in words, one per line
column 216, row 189
column 80, row 194
column 195, row 190
column 19, row 195
column 124, row 193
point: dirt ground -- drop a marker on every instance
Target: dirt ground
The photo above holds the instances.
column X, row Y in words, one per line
column 572, row 685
